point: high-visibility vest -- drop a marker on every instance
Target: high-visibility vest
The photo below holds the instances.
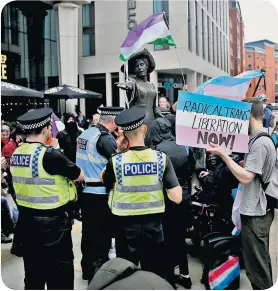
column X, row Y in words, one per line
column 34, row 187
column 138, row 189
column 89, row 160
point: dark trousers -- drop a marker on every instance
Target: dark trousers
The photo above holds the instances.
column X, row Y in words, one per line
column 96, row 232
column 255, row 244
column 175, row 248
column 141, row 242
column 7, row 224
column 47, row 252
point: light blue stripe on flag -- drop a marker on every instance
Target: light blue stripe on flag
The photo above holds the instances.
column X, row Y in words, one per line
column 185, row 98
column 230, row 81
column 231, row 276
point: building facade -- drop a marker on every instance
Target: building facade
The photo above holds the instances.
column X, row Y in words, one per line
column 262, row 54
column 276, row 74
column 38, row 39
column 237, row 51
column 200, row 29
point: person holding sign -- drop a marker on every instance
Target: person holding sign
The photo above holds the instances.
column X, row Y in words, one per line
column 257, row 211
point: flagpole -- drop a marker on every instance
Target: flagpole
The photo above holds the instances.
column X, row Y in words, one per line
column 165, row 19
column 180, row 66
column 126, row 79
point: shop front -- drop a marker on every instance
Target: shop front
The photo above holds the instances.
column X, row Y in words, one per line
column 28, row 53
column 169, row 86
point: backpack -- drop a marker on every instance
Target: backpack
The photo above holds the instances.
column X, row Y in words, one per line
column 271, row 188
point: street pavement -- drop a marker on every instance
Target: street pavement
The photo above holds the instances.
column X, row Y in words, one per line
column 12, row 270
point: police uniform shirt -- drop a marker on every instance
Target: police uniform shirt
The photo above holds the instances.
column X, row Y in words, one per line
column 106, row 144
column 169, row 178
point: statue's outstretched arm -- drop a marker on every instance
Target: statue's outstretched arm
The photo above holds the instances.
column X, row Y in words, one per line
column 128, row 85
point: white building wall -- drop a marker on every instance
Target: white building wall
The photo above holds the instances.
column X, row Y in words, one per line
column 111, row 30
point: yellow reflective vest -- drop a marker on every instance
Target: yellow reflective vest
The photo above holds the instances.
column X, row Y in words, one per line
column 138, row 189
column 34, row 187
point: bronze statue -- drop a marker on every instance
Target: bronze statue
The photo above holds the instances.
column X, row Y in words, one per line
column 140, row 91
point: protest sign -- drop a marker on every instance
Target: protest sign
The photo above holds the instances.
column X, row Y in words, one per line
column 203, row 119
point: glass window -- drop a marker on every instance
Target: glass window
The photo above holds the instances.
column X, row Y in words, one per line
column 208, row 35
column 159, row 6
column 86, row 45
column 217, row 47
column 213, row 42
column 86, row 15
column 249, row 67
column 196, row 28
column 220, row 50
column 204, row 39
column 88, row 21
column 115, row 90
column 14, row 21
column 53, row 28
column 189, row 26
column 249, row 57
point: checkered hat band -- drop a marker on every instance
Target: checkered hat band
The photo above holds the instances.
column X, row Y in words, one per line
column 133, row 126
column 110, row 112
column 36, row 125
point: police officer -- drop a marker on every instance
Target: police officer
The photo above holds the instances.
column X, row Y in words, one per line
column 137, row 200
column 95, row 147
column 42, row 179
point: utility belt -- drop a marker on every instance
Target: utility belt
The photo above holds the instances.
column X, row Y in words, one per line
column 94, row 184
column 31, row 212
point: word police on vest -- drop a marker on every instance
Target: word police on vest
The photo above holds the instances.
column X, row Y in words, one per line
column 138, row 169
column 20, row 160
column 82, row 143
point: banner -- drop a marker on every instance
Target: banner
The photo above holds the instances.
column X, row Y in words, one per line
column 203, row 119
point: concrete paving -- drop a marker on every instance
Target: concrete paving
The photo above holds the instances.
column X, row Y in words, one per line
column 12, row 270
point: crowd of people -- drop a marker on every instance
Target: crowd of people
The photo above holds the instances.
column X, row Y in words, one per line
column 101, row 173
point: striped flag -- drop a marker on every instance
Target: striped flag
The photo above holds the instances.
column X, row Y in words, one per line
column 229, row 87
column 153, row 30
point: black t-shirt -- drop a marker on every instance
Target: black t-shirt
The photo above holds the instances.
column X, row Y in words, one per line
column 106, row 144
column 169, row 177
column 55, row 163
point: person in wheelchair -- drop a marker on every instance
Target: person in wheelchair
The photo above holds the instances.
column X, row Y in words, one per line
column 217, row 184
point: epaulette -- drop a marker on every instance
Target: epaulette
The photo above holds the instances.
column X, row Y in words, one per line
column 113, row 155
column 160, row 151
column 49, row 149
column 103, row 133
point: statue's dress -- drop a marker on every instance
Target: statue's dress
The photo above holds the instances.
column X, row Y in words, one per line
column 143, row 94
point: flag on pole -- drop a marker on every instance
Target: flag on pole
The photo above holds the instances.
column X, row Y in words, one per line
column 153, row 30
column 229, row 87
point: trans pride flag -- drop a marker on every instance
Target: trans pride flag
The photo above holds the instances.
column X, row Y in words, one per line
column 221, row 277
column 228, row 87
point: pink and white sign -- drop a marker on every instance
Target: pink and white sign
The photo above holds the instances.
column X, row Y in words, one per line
column 203, row 119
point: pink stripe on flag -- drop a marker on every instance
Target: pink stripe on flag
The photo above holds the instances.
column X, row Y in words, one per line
column 223, row 268
column 187, row 136
column 228, row 92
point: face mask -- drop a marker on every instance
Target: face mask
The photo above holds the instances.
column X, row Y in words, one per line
column 264, row 106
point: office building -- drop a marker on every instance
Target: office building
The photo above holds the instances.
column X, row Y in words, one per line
column 262, row 54
column 200, row 29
